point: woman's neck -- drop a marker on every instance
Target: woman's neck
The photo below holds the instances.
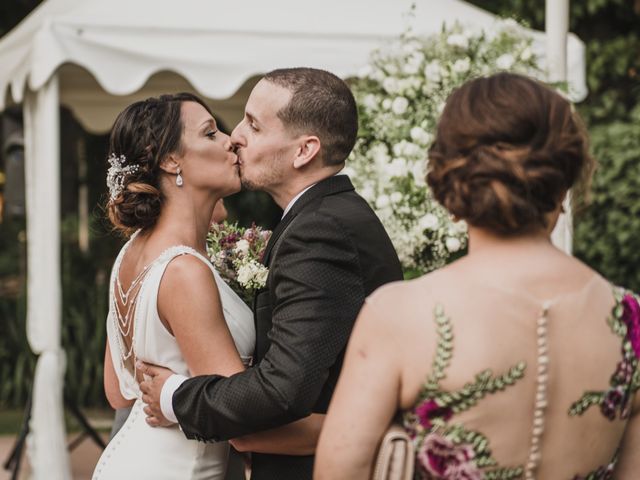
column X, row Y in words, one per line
column 483, row 241
column 186, row 220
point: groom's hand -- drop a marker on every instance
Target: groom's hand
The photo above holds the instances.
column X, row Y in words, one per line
column 151, row 387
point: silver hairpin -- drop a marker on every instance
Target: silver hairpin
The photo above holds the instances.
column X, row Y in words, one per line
column 117, row 173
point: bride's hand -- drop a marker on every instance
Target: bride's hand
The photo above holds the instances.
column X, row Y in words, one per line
column 151, row 387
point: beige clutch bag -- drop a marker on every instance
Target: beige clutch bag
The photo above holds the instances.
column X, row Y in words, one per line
column 396, row 457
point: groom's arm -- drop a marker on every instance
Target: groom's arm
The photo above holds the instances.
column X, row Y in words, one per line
column 319, row 292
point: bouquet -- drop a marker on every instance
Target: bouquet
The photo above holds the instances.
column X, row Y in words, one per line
column 236, row 253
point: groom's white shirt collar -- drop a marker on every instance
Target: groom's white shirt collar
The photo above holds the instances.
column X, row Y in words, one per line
column 295, row 199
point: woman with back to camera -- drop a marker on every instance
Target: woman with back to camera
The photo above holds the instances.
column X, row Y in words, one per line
column 516, row 361
column 169, row 167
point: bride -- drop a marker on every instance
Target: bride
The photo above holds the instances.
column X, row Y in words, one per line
column 168, row 306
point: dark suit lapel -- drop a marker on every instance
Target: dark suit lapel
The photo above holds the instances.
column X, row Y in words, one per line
column 328, row 186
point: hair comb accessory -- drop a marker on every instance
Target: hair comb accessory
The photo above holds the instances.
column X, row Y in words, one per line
column 117, row 174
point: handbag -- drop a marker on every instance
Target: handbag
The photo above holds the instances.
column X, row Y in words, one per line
column 396, row 456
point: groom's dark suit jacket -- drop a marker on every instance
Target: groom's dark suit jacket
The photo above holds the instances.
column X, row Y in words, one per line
column 327, row 254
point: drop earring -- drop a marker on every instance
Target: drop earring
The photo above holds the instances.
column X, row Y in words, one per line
column 179, row 181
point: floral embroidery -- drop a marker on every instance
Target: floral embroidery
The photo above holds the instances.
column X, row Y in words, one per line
column 450, row 451
column 615, row 402
column 441, row 458
column 631, row 318
column 427, row 411
column 603, row 473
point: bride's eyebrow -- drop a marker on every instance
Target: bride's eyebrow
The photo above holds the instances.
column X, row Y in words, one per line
column 209, row 122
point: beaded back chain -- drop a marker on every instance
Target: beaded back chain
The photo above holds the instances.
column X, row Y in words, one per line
column 541, row 394
column 123, row 319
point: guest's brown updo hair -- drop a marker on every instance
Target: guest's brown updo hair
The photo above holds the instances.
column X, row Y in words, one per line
column 145, row 132
column 507, row 148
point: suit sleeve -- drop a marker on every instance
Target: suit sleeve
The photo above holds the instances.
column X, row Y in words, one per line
column 319, row 292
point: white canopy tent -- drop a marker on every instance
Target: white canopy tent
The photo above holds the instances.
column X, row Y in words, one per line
column 96, row 56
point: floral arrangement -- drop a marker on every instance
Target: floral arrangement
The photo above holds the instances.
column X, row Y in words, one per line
column 236, row 253
column 400, row 95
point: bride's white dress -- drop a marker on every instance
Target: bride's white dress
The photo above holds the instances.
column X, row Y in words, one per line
column 138, row 450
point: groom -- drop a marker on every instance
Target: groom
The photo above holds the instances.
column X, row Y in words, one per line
column 327, row 254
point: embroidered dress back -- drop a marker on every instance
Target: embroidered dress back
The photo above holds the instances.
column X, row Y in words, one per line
column 134, row 331
column 522, row 387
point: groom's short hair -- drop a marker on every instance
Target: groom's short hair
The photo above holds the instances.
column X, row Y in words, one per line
column 321, row 104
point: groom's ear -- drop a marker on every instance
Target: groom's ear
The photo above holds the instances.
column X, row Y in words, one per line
column 169, row 164
column 307, row 150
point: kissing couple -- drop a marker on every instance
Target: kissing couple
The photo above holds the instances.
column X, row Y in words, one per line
column 180, row 340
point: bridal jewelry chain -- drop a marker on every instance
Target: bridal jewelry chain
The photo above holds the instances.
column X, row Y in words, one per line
column 541, row 394
column 124, row 322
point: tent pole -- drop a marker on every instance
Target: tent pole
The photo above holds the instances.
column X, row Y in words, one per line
column 557, row 28
column 46, row 447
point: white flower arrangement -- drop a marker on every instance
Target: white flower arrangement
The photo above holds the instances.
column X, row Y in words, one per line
column 400, row 96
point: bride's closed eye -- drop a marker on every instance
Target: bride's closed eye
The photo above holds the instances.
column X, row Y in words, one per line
column 211, row 134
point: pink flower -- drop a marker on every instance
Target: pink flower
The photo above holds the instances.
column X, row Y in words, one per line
column 249, row 235
column 430, row 410
column 631, row 318
column 441, row 458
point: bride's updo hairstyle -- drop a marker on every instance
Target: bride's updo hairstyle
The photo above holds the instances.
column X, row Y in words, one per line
column 144, row 134
column 507, row 148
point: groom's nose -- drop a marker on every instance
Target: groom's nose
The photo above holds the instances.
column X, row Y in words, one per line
column 236, row 137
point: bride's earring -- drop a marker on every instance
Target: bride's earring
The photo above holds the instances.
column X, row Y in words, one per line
column 179, row 181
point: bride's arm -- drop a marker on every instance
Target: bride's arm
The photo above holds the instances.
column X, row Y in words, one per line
column 111, row 386
column 296, row 438
column 189, row 306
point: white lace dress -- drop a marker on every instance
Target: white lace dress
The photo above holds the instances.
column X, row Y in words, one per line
column 138, row 450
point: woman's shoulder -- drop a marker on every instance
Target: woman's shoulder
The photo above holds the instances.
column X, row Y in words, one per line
column 408, row 296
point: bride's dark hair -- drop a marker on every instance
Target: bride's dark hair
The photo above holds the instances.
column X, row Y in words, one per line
column 145, row 133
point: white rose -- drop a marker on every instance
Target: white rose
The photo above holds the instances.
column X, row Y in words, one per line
column 380, row 154
column 411, row 68
column 505, row 62
column 382, row 202
column 370, row 102
column 433, row 71
column 242, row 247
column 348, row 171
column 395, row 197
column 452, row 244
column 428, row 222
column 461, row 65
column 397, row 168
column 261, row 276
column 510, row 24
column 420, row 135
column 378, row 75
column 386, row 103
column 367, row 193
column 400, row 105
column 458, row 40
column 418, row 172
column 245, row 274
column 390, row 84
